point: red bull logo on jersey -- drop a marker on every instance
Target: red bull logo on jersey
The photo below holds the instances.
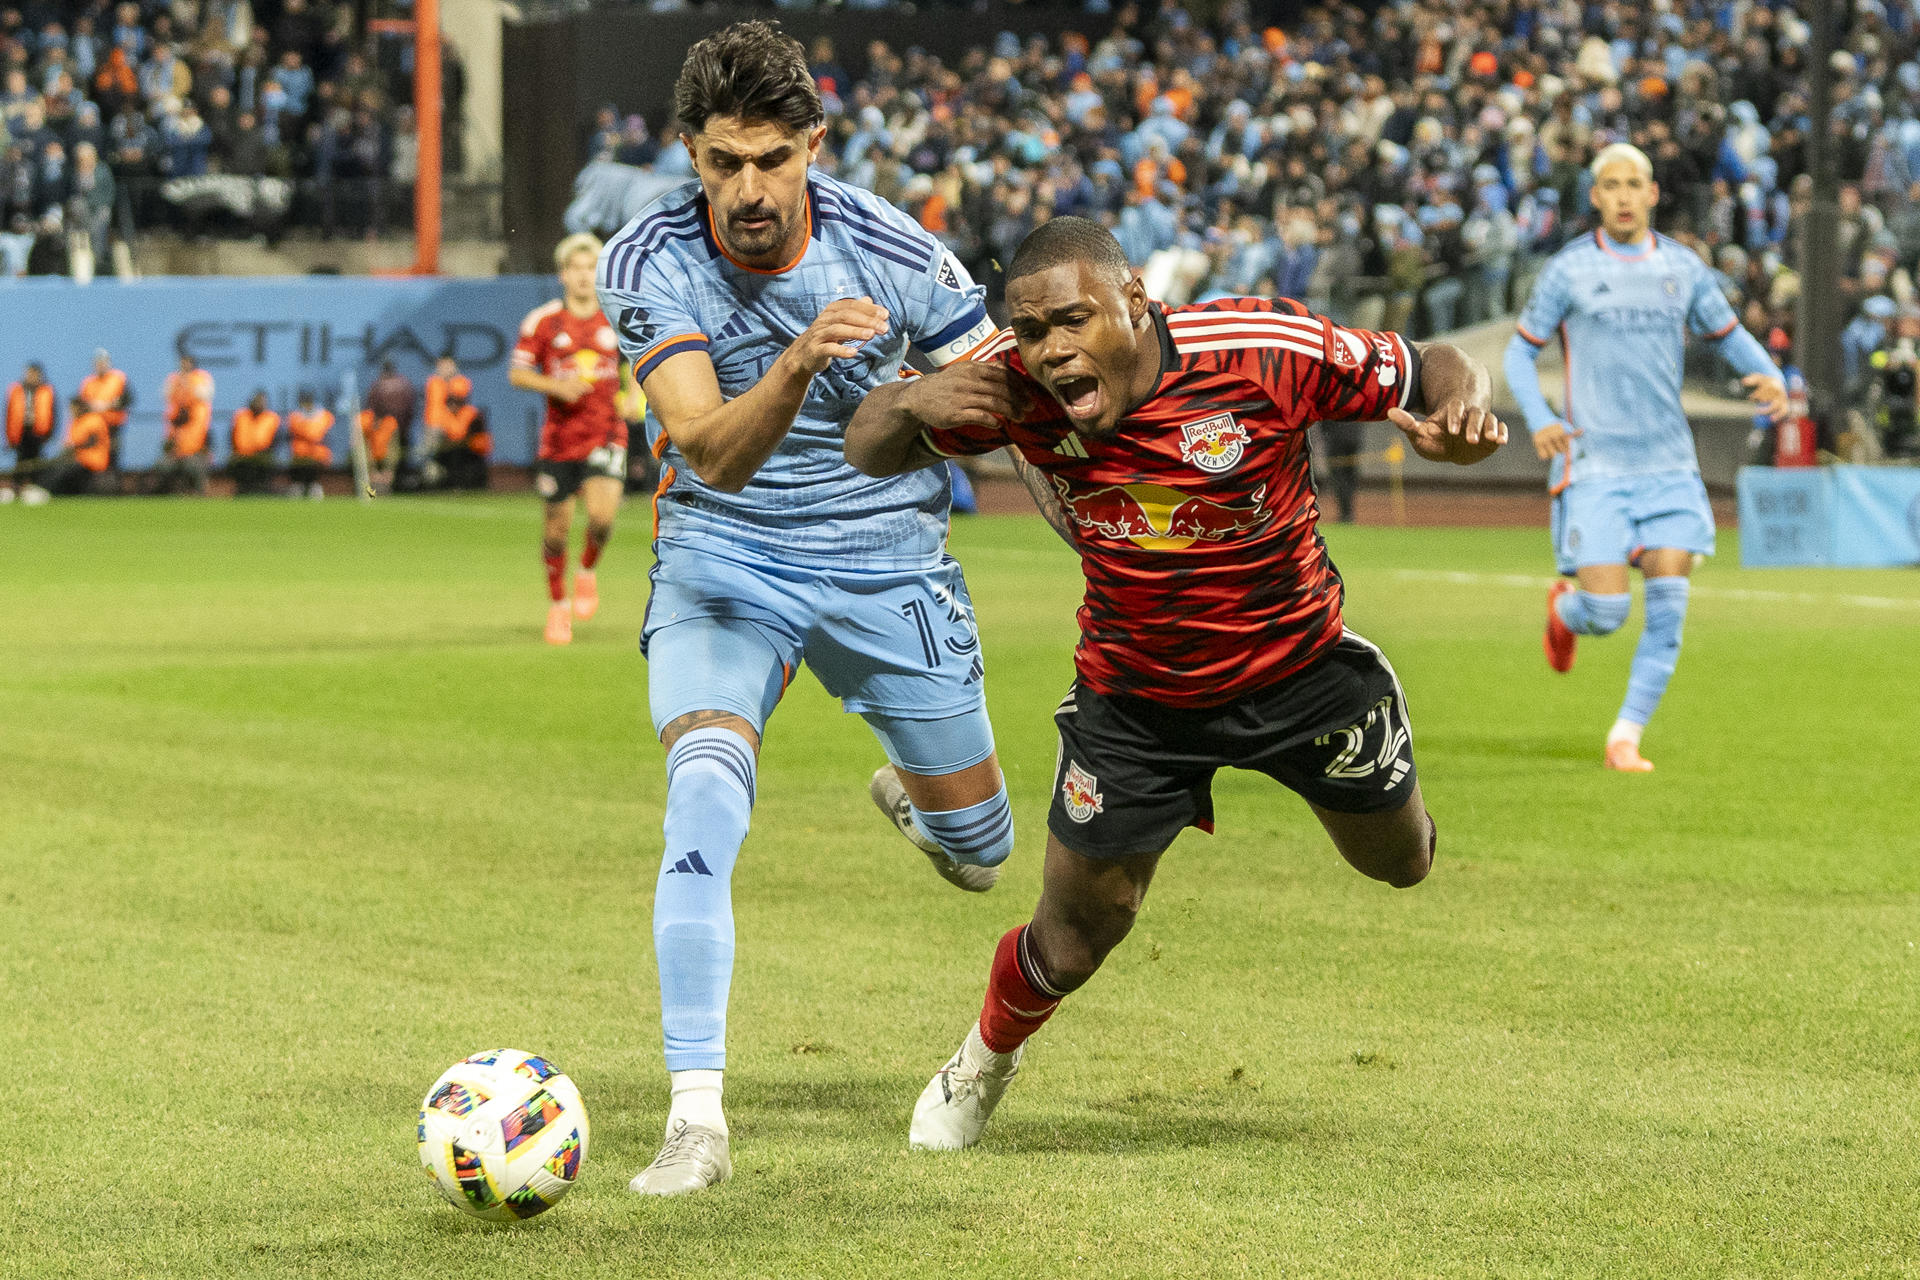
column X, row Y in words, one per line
column 1081, row 790
column 1158, row 518
column 1214, row 444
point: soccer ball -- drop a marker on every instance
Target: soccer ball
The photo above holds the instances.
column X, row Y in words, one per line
column 503, row 1135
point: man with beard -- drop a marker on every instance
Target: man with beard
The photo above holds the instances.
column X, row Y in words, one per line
column 1211, row 636
column 759, row 304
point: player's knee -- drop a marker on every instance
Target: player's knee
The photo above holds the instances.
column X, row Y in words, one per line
column 1416, row 858
column 981, row 835
column 552, row 548
column 598, row 532
column 1606, row 614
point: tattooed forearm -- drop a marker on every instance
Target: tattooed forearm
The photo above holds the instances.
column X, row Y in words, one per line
column 1044, row 496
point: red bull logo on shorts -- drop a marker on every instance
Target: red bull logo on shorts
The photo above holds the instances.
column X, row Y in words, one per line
column 1214, row 444
column 1158, row 518
column 1081, row 790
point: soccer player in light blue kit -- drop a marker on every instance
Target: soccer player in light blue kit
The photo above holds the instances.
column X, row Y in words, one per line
column 1625, row 478
column 759, row 304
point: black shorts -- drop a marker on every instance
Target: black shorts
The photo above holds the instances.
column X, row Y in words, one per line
column 558, row 481
column 1133, row 772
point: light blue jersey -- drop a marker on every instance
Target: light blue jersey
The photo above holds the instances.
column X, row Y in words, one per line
column 1622, row 315
column 669, row 288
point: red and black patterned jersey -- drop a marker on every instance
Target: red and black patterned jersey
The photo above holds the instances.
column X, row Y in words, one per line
column 1196, row 521
column 555, row 342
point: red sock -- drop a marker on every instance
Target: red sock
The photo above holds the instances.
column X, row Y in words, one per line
column 556, row 575
column 1019, row 1001
column 590, row 554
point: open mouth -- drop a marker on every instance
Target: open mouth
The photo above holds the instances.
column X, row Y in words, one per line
column 754, row 221
column 1080, row 397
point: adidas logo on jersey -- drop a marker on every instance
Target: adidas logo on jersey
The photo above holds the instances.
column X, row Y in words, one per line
column 691, row 865
column 1601, row 288
column 735, row 327
column 1071, row 447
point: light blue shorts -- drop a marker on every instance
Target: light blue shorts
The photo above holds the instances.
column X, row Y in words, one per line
column 1611, row 520
column 898, row 647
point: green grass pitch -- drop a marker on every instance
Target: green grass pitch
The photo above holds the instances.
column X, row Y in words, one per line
column 298, row 810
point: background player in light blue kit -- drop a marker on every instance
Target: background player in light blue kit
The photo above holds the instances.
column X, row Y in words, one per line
column 1625, row 478
column 759, row 304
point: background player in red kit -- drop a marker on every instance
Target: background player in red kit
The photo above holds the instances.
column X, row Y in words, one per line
column 1211, row 635
column 569, row 354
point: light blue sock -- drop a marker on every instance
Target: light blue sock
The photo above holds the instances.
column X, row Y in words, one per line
column 1659, row 647
column 981, row 834
column 710, row 780
column 1589, row 614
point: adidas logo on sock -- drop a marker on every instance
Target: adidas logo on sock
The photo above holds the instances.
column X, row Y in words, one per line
column 691, row 865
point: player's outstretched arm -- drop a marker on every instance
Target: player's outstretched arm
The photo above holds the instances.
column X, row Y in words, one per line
column 726, row 441
column 887, row 435
column 1456, row 397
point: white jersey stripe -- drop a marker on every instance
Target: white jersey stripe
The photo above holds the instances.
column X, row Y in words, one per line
column 1243, row 343
column 1298, row 328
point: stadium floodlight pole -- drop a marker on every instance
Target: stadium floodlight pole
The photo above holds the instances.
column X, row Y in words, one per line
column 426, row 123
column 424, row 27
column 1817, row 342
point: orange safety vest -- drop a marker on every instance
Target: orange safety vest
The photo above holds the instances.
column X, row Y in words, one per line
column 309, row 435
column 187, row 428
column 197, row 385
column 439, row 391
column 103, row 393
column 19, row 414
column 379, row 434
column 253, row 433
column 90, row 437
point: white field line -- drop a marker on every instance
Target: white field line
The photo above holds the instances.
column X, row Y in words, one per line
column 1750, row 594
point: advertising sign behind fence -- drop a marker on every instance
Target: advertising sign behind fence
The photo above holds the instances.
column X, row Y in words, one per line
column 281, row 335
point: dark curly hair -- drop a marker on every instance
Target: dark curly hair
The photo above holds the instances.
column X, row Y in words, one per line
column 753, row 71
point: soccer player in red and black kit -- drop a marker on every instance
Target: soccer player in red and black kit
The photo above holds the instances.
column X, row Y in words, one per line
column 568, row 353
column 1175, row 442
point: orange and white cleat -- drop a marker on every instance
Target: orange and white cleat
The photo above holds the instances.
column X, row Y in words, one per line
column 560, row 623
column 586, row 594
column 1560, row 639
column 1623, row 756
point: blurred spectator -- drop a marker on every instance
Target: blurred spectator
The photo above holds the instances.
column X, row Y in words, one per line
column 250, row 461
column 184, row 452
column 307, row 428
column 33, row 414
column 84, row 465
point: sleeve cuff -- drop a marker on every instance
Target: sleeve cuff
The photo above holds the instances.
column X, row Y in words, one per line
column 1522, row 331
column 666, row 348
column 926, row 438
column 1731, row 326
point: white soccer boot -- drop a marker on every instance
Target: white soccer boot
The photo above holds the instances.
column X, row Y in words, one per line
column 891, row 799
column 956, row 1104
column 693, row 1159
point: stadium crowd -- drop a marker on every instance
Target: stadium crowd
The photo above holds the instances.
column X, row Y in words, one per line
column 200, row 114
column 1408, row 167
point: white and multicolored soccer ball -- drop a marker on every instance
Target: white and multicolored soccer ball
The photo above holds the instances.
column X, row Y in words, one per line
column 503, row 1135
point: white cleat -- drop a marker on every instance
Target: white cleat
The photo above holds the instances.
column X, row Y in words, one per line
column 891, row 799
column 957, row 1103
column 693, row 1159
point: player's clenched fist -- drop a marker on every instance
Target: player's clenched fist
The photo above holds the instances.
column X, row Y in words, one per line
column 837, row 332
column 1456, row 432
column 964, row 394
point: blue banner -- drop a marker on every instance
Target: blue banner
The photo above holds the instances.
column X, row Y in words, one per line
column 1847, row 517
column 277, row 334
